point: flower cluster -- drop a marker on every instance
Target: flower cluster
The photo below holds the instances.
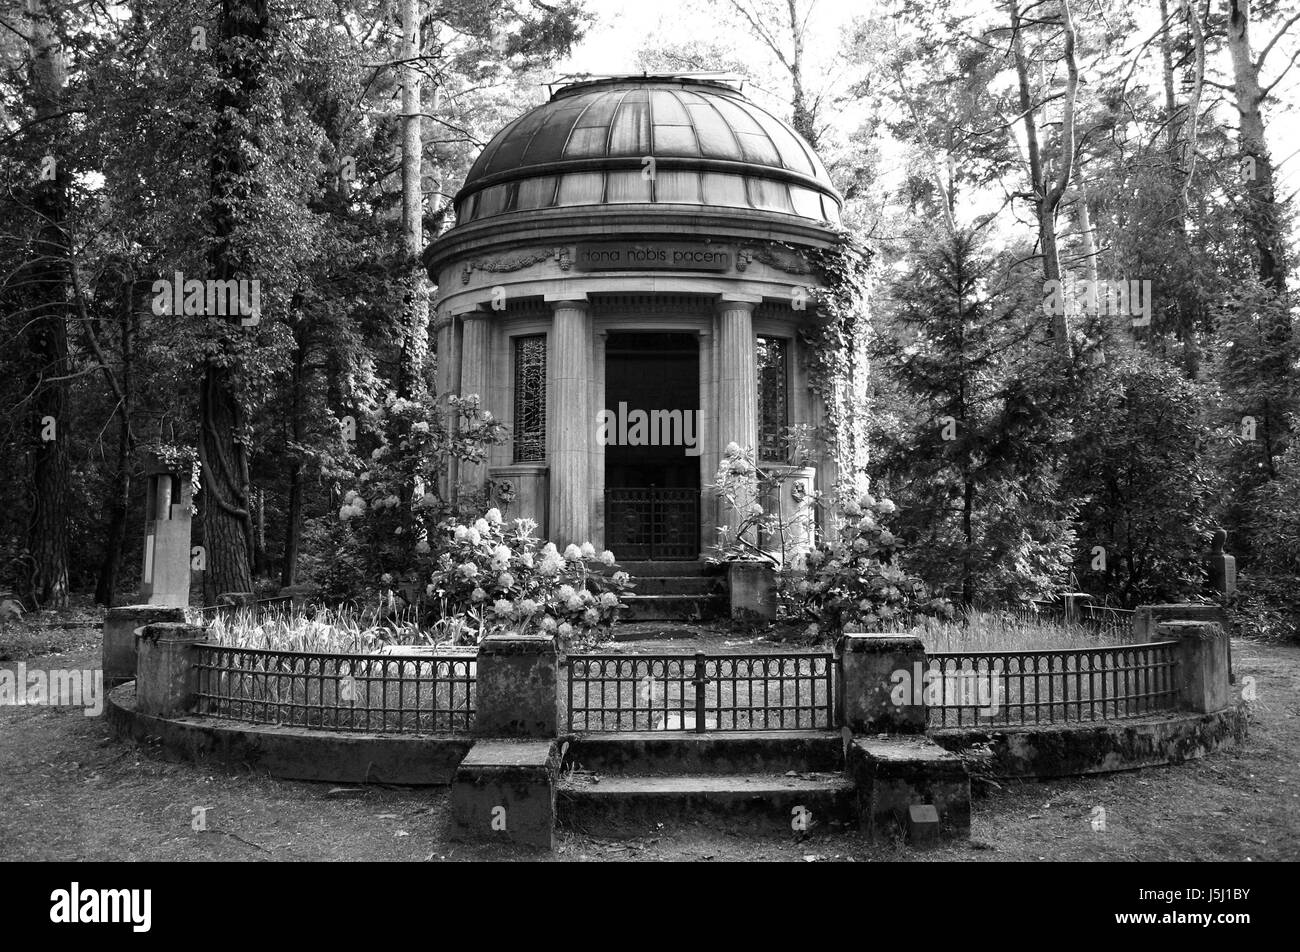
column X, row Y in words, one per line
column 498, row 577
column 854, row 577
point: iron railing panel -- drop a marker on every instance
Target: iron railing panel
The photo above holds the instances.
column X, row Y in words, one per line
column 380, row 694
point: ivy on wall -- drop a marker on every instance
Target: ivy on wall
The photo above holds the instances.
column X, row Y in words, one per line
column 836, row 345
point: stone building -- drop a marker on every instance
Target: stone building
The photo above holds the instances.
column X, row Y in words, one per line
column 635, row 244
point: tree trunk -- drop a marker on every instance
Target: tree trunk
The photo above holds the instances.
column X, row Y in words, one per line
column 293, row 522
column 46, row 334
column 1047, row 196
column 223, row 453
column 120, row 505
column 415, row 319
column 1263, row 217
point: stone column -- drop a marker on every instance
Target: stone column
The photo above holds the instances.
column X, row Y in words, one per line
column 517, row 687
column 166, row 681
column 475, row 378
column 570, row 432
column 120, row 629
column 882, row 683
column 1202, row 664
column 737, row 375
column 737, row 385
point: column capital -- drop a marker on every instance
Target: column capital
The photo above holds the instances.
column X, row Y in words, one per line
column 739, row 302
column 569, row 300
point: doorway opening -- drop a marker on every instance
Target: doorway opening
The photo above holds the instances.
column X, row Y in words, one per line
column 650, row 429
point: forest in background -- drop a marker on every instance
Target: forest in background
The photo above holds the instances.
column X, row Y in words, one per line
column 998, row 158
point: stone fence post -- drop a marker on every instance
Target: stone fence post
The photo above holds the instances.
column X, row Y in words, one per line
column 518, row 686
column 120, row 628
column 166, row 681
column 1202, row 664
column 882, row 683
column 1149, row 617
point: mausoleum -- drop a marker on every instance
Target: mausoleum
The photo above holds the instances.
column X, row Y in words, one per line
column 624, row 287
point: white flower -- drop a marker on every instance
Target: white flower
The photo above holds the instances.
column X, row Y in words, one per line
column 565, row 592
column 478, row 595
column 732, row 449
column 493, row 516
column 482, row 526
column 886, row 506
column 574, row 604
column 552, row 564
column 886, row 537
column 346, row 513
column 572, row 553
column 420, row 427
column 804, row 587
column 588, row 550
column 386, row 578
column 548, row 623
column 528, row 606
column 503, row 607
column 609, row 600
column 755, row 509
column 860, row 544
column 591, row 616
column 422, row 546
column 527, row 559
column 474, row 537
column 866, row 524
column 467, row 570
column 812, row 630
column 607, row 557
column 505, row 580
column 867, row 501
column 461, row 534
column 851, row 509
column 429, row 590
column 376, row 452
column 621, row 578
column 549, row 548
column 427, row 501
column 565, row 630
column 352, row 494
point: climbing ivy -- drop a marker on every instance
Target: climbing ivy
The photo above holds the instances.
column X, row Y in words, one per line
column 835, row 355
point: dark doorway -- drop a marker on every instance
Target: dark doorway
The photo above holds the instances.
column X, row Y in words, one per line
column 651, row 432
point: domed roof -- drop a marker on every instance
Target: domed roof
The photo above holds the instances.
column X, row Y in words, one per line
column 593, row 143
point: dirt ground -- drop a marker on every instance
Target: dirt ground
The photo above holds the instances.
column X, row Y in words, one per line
column 69, row 791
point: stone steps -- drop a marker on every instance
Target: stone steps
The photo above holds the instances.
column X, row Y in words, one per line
column 675, row 591
column 614, row 804
column 674, row 607
column 665, row 753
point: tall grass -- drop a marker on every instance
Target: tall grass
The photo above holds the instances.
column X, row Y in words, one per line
column 975, row 629
column 340, row 630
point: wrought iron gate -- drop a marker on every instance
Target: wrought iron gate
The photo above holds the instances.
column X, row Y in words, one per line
column 649, row 523
column 701, row 692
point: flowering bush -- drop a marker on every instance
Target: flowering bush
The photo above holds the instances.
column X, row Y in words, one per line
column 748, row 492
column 495, row 577
column 386, row 521
column 855, row 578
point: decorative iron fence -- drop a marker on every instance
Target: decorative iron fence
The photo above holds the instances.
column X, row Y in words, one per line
column 725, row 692
column 990, row 688
column 381, row 694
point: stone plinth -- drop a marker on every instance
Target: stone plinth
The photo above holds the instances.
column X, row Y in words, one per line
column 504, row 791
column 896, row 774
column 1202, row 664
column 166, row 681
column 121, row 626
column 517, row 685
column 752, row 587
column 872, row 698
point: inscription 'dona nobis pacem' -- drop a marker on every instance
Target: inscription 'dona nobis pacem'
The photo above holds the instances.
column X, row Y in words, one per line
column 671, row 256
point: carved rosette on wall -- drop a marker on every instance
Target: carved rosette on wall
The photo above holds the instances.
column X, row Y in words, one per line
column 517, row 262
column 780, row 257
